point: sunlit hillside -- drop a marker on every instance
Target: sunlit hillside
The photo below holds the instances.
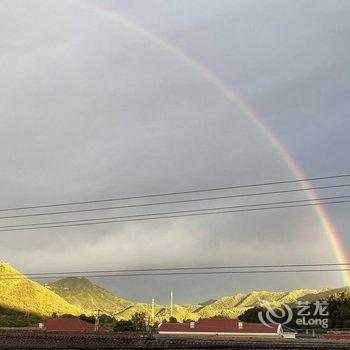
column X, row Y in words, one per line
column 235, row 305
column 91, row 297
column 161, row 312
column 74, row 295
column 20, row 293
column 294, row 295
column 83, row 293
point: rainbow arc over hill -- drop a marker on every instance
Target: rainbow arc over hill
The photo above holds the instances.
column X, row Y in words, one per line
column 258, row 120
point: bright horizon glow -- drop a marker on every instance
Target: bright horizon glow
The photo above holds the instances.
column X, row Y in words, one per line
column 259, row 121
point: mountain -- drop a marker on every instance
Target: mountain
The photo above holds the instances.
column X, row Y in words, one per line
column 161, row 312
column 83, row 293
column 75, row 295
column 91, row 297
column 323, row 294
column 207, row 302
column 236, row 304
column 22, row 294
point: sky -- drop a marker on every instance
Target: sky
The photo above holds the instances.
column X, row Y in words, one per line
column 94, row 107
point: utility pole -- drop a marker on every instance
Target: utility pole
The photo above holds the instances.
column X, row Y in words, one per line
column 152, row 311
column 97, row 321
column 171, row 304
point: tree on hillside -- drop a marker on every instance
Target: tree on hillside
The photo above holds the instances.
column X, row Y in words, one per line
column 136, row 324
column 124, row 326
column 90, row 319
column 221, row 315
column 172, row 319
column 188, row 320
column 339, row 310
column 106, row 319
column 65, row 316
column 251, row 315
column 138, row 319
column 15, row 318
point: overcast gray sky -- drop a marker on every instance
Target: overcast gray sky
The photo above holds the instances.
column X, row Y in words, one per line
column 93, row 108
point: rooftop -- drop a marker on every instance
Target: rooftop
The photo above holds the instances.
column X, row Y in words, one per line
column 217, row 325
column 68, row 324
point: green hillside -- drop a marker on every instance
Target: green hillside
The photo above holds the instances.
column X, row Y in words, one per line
column 91, row 297
column 235, row 305
column 161, row 312
column 338, row 309
column 74, row 295
column 322, row 294
column 297, row 294
column 83, row 293
column 24, row 295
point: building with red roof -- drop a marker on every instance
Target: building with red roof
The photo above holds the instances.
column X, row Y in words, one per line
column 224, row 327
column 68, row 325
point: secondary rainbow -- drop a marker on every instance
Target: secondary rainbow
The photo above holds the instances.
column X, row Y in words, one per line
column 231, row 94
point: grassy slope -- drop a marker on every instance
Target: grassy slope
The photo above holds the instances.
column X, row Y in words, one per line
column 236, row 304
column 161, row 312
column 79, row 295
column 89, row 296
column 83, row 293
column 322, row 294
column 22, row 294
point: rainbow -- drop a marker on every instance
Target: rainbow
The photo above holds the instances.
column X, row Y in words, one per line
column 258, row 120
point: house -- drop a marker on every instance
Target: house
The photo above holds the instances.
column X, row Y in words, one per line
column 224, row 327
column 67, row 325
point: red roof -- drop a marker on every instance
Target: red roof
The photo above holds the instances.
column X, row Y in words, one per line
column 219, row 325
column 68, row 324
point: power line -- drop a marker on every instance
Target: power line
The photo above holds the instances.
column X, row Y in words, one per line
column 176, row 193
column 177, row 201
column 188, row 273
column 182, row 211
column 182, row 268
column 97, row 221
